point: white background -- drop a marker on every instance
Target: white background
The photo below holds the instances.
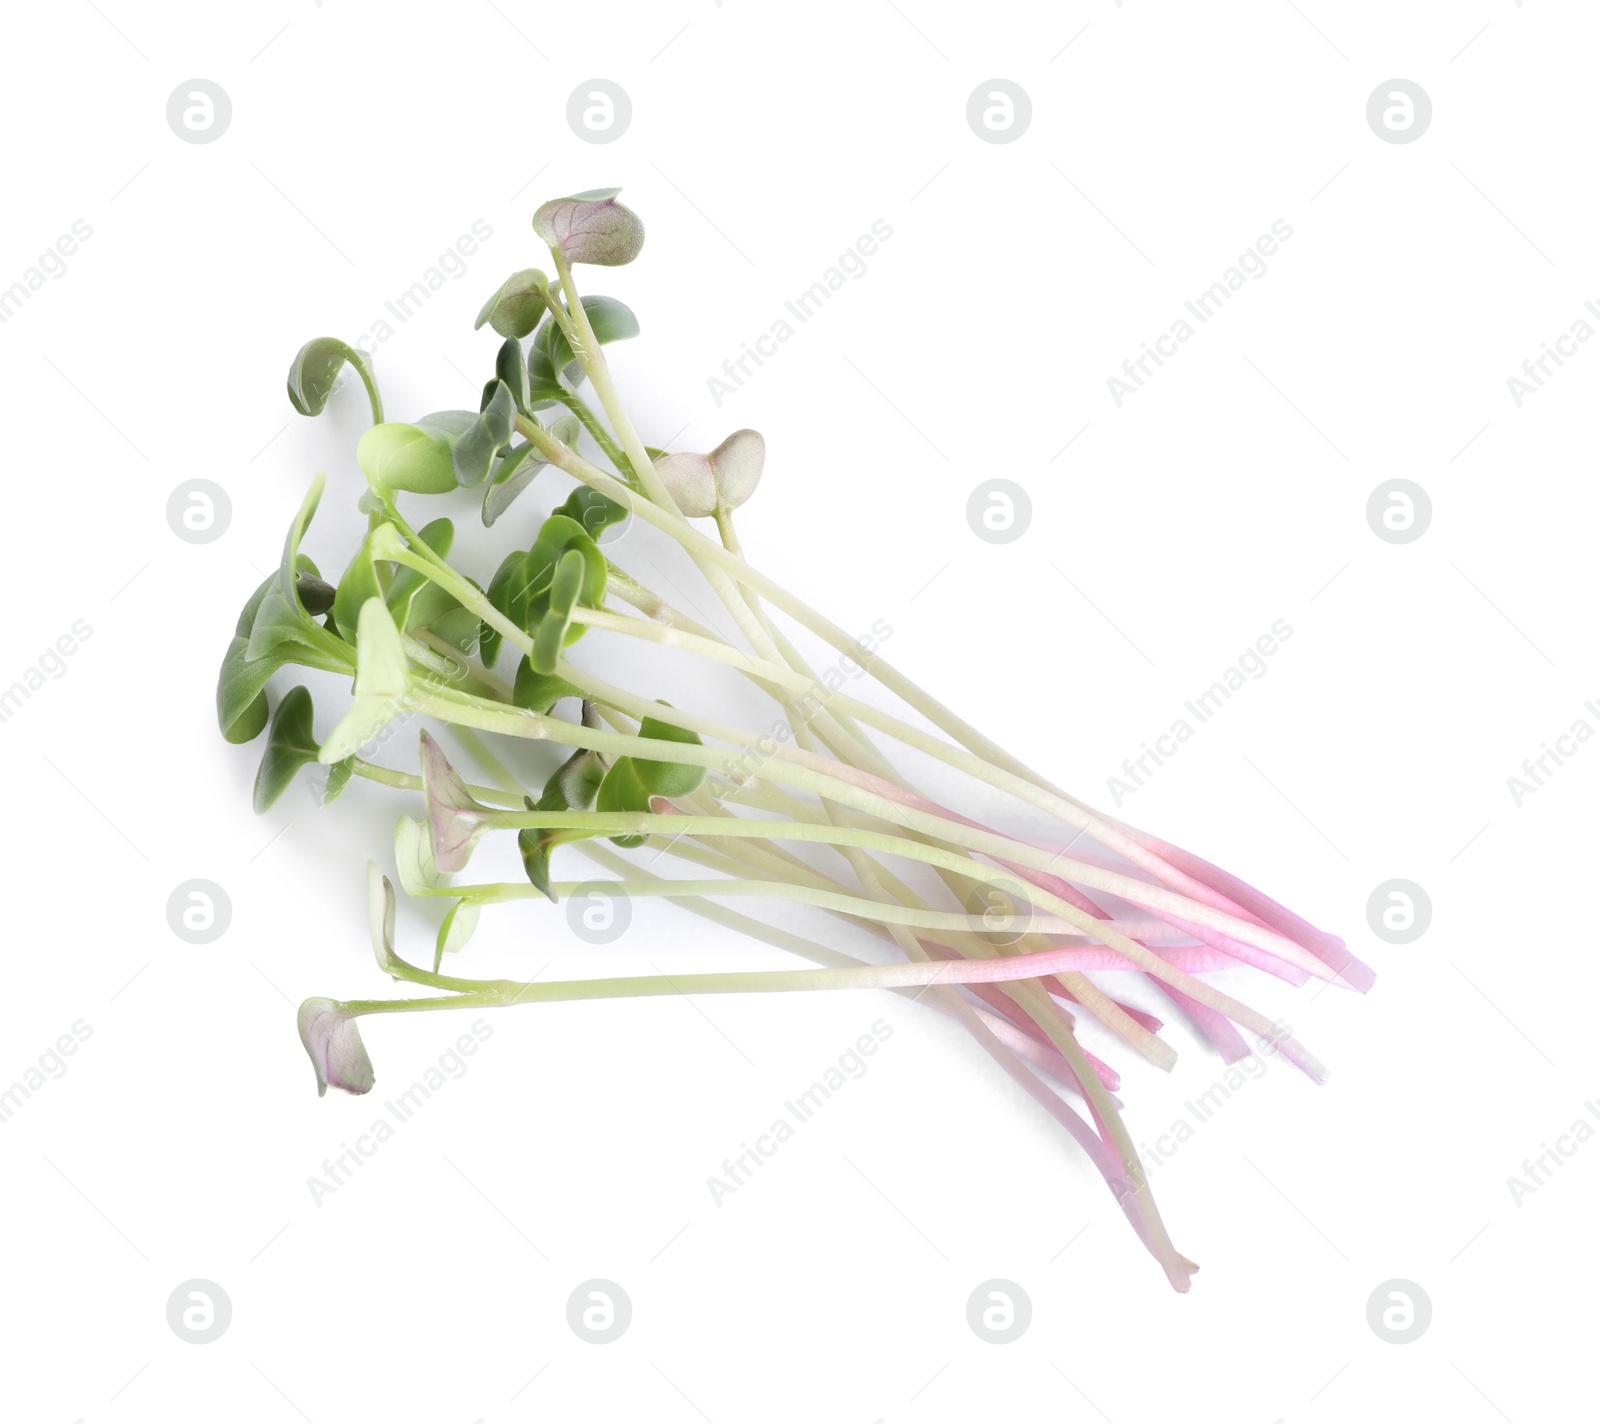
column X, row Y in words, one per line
column 1228, row 493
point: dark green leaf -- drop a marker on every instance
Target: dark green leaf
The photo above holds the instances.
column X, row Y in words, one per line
column 511, row 366
column 499, row 594
column 550, row 637
column 316, row 597
column 537, row 691
column 668, row 778
column 521, row 586
column 476, row 448
column 623, row 790
column 591, row 510
column 290, row 746
column 280, row 620
column 242, row 709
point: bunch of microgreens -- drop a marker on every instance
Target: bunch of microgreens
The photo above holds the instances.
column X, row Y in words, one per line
column 999, row 932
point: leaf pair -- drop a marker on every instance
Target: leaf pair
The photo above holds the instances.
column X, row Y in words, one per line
column 538, row 590
column 292, row 744
column 413, row 600
column 700, row 485
column 440, row 452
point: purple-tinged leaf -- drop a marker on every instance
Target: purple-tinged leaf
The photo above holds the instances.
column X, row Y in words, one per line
column 591, row 227
column 737, row 464
column 691, row 482
column 332, row 1040
column 455, row 817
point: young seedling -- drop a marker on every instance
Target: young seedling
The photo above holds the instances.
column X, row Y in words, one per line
column 999, row 931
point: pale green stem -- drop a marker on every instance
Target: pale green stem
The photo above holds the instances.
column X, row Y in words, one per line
column 458, row 707
column 708, row 553
column 620, row 823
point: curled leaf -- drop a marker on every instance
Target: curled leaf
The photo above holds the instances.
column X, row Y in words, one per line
column 457, row 927
column 316, row 368
column 456, row 819
column 516, row 308
column 591, row 227
column 332, row 1041
column 380, row 916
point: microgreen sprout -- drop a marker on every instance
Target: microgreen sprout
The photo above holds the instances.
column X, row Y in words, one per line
column 1000, row 931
